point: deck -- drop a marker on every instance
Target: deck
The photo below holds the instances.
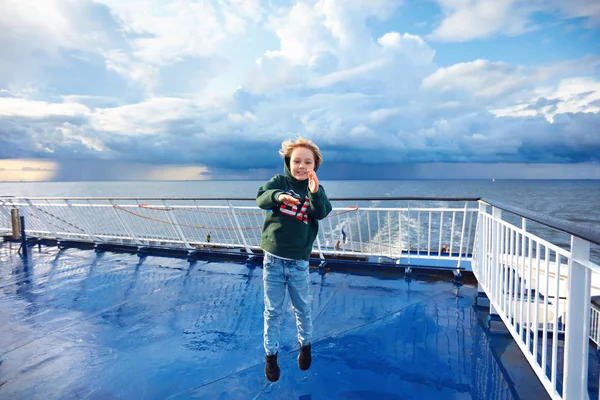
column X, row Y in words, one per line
column 104, row 325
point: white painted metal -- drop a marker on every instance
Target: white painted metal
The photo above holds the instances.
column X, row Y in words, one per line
column 541, row 290
column 577, row 327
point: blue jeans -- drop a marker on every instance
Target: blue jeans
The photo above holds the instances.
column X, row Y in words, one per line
column 277, row 275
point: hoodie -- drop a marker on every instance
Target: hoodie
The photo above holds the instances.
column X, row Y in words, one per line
column 289, row 232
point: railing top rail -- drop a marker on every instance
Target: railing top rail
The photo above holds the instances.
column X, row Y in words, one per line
column 244, row 198
column 589, row 234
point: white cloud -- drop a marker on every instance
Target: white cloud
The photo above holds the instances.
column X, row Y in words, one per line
column 382, row 115
column 71, row 133
column 148, row 117
column 165, row 32
column 242, row 118
column 302, row 35
column 36, row 34
column 361, row 130
column 122, row 63
column 24, row 108
column 575, row 95
column 352, row 73
column 51, row 21
column 502, row 83
column 315, row 68
column 331, row 29
column 328, row 44
column 577, row 9
column 412, row 46
column 481, row 77
column 465, row 20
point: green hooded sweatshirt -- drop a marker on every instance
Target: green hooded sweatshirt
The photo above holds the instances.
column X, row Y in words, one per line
column 289, row 232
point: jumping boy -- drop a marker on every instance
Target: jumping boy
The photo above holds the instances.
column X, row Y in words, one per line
column 296, row 202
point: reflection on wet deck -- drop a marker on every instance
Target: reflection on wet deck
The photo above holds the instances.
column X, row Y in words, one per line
column 80, row 324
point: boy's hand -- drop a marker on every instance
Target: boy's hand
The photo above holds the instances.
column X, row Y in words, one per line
column 288, row 200
column 313, row 181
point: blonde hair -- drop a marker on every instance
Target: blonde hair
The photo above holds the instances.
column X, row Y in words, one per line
column 288, row 146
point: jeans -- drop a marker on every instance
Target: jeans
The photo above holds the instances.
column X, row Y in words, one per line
column 277, row 275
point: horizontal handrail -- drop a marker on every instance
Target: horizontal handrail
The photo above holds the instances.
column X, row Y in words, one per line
column 426, row 198
column 589, row 234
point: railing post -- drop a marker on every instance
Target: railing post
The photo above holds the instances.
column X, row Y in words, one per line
column 237, row 222
column 495, row 270
column 462, row 235
column 319, row 247
column 14, row 217
column 577, row 322
column 478, row 259
column 23, row 237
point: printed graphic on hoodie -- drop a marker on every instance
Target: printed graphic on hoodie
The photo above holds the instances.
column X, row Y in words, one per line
column 300, row 211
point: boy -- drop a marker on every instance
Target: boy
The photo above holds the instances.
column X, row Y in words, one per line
column 296, row 203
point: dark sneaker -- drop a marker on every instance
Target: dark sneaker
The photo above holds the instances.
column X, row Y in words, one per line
column 271, row 368
column 304, row 358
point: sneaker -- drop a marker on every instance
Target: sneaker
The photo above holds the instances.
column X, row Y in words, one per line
column 271, row 368
column 304, row 358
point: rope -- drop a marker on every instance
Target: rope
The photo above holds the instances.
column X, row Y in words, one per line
column 351, row 209
column 58, row 218
column 191, row 209
column 184, row 225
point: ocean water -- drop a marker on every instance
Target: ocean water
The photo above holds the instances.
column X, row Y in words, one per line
column 576, row 201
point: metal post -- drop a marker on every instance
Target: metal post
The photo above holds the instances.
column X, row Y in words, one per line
column 496, row 275
column 319, row 247
column 462, row 235
column 577, row 328
column 16, row 229
column 23, row 237
column 478, row 259
column 237, row 222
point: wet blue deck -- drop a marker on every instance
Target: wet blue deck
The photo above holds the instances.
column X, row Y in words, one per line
column 80, row 324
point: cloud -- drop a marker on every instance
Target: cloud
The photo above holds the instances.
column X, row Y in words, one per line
column 572, row 96
column 24, row 108
column 465, row 20
column 147, row 117
column 46, row 37
column 502, row 83
column 218, row 85
column 482, row 78
column 161, row 33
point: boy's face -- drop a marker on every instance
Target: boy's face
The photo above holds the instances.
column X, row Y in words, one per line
column 301, row 161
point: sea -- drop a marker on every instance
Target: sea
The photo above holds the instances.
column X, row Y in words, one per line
column 575, row 201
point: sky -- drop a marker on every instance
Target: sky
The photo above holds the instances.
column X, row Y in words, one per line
column 208, row 89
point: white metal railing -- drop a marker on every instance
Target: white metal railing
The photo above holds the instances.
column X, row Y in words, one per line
column 542, row 293
column 595, row 325
column 421, row 231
